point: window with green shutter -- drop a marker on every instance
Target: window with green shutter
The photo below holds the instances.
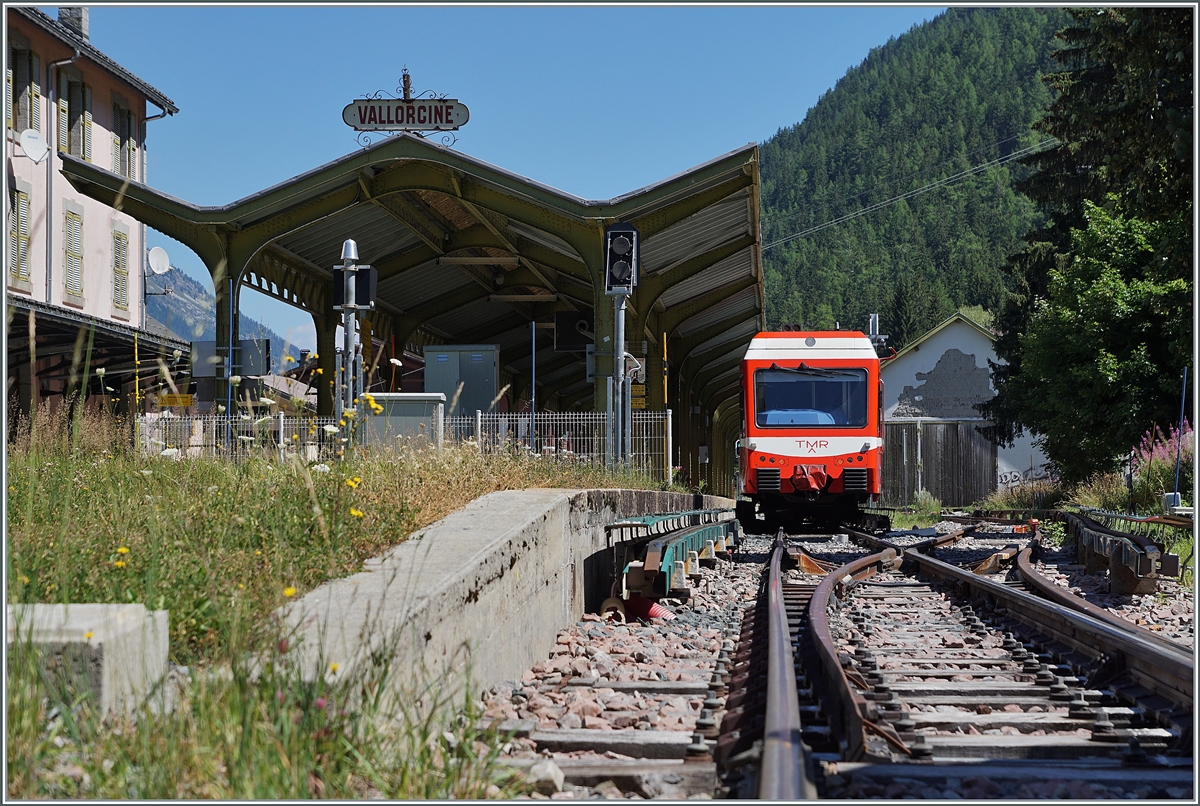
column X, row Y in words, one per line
column 74, row 115
column 124, row 144
column 18, row 235
column 74, row 253
column 121, row 270
column 23, row 93
column 86, row 124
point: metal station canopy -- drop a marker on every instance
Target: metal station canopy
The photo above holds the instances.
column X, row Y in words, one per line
column 471, row 253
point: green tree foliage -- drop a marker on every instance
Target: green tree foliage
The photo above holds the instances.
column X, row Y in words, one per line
column 1123, row 117
column 1097, row 345
column 958, row 92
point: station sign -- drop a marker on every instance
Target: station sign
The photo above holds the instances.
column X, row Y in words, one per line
column 176, row 400
column 399, row 115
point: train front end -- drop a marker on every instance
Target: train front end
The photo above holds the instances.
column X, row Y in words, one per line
column 812, row 439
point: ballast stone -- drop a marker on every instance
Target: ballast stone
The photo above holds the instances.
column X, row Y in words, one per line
column 117, row 651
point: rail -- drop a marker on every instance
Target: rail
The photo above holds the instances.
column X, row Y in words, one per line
column 1164, row 669
column 1043, row 587
column 784, row 771
column 848, row 716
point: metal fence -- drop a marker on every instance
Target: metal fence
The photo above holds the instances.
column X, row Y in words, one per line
column 564, row 436
column 241, row 436
column 577, row 436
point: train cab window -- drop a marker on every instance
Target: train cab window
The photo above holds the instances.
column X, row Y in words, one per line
column 810, row 396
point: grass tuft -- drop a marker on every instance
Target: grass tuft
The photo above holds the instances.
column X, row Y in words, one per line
column 222, row 546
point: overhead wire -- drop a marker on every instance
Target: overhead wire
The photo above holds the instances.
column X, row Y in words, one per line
column 785, row 215
column 944, row 182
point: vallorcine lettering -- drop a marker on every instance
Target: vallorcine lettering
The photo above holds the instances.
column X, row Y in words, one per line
column 413, row 115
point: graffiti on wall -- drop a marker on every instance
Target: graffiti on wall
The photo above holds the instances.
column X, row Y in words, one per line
column 1013, row 478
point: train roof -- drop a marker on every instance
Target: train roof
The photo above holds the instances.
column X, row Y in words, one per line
column 812, row 343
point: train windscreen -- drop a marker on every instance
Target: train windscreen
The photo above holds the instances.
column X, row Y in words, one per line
column 810, row 396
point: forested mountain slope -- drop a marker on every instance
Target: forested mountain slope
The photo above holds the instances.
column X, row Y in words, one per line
column 953, row 94
column 189, row 311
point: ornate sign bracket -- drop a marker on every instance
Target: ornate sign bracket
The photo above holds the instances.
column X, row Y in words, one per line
column 383, row 113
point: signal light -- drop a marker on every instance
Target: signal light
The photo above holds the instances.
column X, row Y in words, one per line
column 620, row 259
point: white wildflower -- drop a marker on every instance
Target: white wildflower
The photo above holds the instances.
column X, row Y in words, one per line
column 170, row 452
column 262, row 420
column 331, row 429
column 245, row 438
column 220, row 409
column 396, row 362
column 235, row 379
column 321, row 468
column 147, row 472
column 214, row 488
column 100, row 371
column 266, row 401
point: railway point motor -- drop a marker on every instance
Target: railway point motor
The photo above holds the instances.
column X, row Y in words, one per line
column 812, row 434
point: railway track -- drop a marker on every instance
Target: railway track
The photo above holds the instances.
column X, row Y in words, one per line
column 925, row 664
column 922, row 664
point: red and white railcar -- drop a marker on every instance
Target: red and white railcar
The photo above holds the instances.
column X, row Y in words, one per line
column 812, row 438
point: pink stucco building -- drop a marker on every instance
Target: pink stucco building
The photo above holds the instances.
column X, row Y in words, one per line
column 72, row 264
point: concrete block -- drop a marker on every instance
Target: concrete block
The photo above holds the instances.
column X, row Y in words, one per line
column 118, row 652
column 482, row 591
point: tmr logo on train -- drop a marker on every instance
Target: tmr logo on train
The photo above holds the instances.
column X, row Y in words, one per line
column 812, row 445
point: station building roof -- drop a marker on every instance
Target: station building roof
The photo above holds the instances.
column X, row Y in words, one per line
column 470, row 253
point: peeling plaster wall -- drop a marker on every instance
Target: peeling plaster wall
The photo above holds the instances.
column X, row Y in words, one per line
column 942, row 378
column 950, row 390
column 945, row 382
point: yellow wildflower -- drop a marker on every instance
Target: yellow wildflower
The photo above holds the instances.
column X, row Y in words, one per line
column 24, row 579
column 289, row 591
column 342, row 423
column 257, row 552
column 241, row 587
column 333, row 667
column 353, row 483
column 357, row 513
column 287, row 359
column 295, row 437
column 319, row 371
column 313, row 356
column 87, row 636
column 119, row 563
column 122, row 550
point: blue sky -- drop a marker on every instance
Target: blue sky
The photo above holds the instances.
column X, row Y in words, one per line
column 596, row 101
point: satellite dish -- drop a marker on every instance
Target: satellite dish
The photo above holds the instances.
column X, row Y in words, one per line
column 159, row 262
column 34, row 145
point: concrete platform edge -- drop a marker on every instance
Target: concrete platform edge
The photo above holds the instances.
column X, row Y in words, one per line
column 478, row 595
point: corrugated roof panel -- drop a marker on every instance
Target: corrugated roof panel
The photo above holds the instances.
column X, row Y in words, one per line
column 733, row 268
column 415, row 287
column 742, row 302
column 376, row 233
column 743, row 334
column 698, row 233
column 477, row 314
